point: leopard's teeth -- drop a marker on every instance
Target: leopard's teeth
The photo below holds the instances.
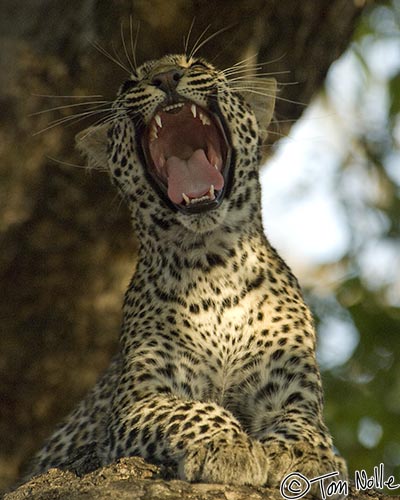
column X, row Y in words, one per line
column 211, row 192
column 173, row 106
column 192, row 201
column 157, row 118
column 153, row 133
column 193, row 109
column 204, row 119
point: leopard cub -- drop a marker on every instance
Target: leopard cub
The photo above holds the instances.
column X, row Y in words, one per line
column 216, row 372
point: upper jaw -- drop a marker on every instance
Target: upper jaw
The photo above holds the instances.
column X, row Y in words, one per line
column 186, row 153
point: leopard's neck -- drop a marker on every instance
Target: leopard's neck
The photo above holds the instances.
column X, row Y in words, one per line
column 227, row 257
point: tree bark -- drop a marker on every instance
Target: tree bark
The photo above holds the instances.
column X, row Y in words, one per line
column 133, row 478
column 67, row 250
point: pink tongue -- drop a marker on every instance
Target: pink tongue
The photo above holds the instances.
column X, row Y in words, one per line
column 192, row 177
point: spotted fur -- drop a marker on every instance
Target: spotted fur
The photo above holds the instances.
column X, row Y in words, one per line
column 216, row 372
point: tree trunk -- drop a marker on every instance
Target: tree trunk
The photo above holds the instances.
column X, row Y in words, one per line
column 67, row 248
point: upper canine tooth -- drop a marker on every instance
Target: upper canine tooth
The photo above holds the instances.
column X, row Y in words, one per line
column 158, row 120
column 193, row 110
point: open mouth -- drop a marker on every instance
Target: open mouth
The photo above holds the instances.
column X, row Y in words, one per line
column 187, row 154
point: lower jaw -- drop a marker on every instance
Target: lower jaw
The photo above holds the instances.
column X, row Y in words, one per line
column 200, row 207
column 202, row 223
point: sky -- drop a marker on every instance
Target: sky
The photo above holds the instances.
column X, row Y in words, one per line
column 303, row 215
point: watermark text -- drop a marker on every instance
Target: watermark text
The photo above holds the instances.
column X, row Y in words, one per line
column 296, row 485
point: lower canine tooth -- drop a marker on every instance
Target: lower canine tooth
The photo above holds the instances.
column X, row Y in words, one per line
column 204, row 119
column 153, row 133
column 186, row 198
column 211, row 192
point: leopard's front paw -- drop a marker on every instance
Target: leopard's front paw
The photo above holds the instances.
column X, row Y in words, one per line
column 233, row 461
column 293, row 466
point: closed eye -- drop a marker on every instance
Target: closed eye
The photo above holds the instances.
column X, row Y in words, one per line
column 199, row 65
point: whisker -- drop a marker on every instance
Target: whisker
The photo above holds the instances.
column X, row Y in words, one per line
column 241, row 71
column 109, row 56
column 278, row 136
column 105, row 120
column 257, row 83
column 118, row 58
column 118, row 201
column 134, row 44
column 91, row 109
column 226, row 46
column 125, row 49
column 76, row 116
column 242, row 66
column 67, row 96
column 194, row 48
column 242, row 62
column 67, row 106
column 85, row 167
column 291, row 120
column 265, row 94
column 73, row 119
column 272, row 61
column 243, row 78
column 209, row 38
column 256, row 67
column 187, row 39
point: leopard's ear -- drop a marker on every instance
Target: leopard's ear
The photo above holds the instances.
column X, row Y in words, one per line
column 92, row 143
column 262, row 102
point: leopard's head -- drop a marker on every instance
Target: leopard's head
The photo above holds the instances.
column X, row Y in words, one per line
column 183, row 143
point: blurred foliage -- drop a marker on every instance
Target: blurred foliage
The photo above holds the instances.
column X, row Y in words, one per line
column 363, row 392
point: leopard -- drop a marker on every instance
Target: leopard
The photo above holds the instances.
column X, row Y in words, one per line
column 216, row 373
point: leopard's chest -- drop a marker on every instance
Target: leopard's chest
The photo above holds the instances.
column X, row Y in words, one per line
column 198, row 346
column 225, row 347
column 200, row 331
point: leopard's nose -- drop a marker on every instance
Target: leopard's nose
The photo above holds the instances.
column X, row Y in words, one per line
column 167, row 81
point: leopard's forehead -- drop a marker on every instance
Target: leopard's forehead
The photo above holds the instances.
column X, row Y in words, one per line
column 180, row 60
